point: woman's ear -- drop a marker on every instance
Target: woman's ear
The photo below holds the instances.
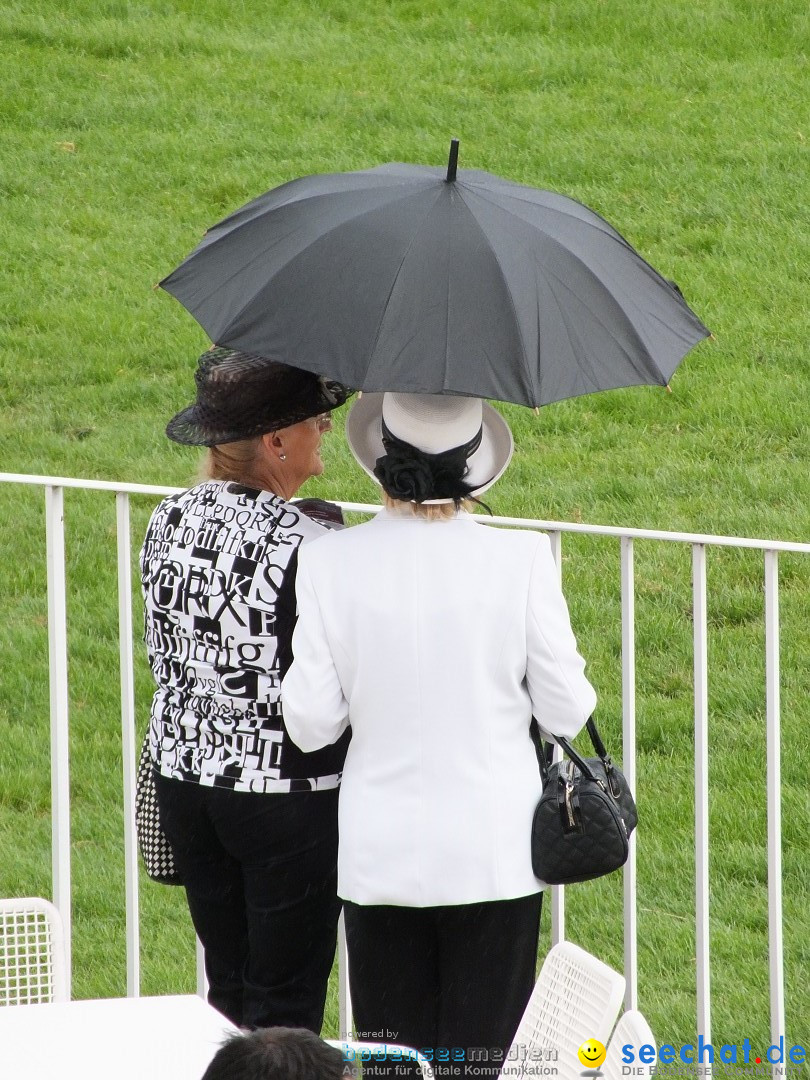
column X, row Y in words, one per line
column 273, row 442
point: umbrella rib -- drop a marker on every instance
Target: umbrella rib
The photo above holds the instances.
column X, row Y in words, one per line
column 384, row 307
column 227, row 280
column 483, row 193
column 646, row 352
column 507, row 290
column 609, row 230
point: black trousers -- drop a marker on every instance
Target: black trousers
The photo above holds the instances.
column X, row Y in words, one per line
column 455, row 980
column 261, row 874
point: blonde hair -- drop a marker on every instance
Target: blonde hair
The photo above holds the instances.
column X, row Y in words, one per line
column 428, row 511
column 234, row 461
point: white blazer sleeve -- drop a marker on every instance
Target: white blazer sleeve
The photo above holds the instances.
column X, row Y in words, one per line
column 315, row 710
column 562, row 698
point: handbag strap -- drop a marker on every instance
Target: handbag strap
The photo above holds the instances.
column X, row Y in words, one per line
column 596, row 739
column 545, row 750
column 541, row 749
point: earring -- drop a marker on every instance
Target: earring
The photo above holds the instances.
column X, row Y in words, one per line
column 283, row 457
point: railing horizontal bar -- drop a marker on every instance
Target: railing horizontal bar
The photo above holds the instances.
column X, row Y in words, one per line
column 91, row 485
column 140, row 489
column 645, row 534
column 522, row 523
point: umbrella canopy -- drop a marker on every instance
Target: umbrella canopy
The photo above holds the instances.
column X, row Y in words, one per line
column 403, row 278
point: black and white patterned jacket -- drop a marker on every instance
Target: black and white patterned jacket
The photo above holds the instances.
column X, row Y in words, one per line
column 218, row 571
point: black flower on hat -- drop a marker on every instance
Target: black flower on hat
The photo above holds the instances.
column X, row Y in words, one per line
column 405, row 474
column 412, row 475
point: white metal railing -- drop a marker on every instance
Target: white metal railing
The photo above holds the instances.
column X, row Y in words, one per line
column 57, row 630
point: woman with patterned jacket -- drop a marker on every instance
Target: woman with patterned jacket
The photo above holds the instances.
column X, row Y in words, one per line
column 251, row 819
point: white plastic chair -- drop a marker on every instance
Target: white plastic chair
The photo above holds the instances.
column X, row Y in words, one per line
column 356, row 1051
column 634, row 1030
column 33, row 964
column 576, row 998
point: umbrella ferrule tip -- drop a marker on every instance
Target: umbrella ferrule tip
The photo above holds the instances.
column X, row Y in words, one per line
column 452, row 161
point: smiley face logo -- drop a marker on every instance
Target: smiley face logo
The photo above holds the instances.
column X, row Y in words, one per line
column 591, row 1054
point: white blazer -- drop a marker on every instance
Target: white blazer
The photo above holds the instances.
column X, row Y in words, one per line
column 436, row 641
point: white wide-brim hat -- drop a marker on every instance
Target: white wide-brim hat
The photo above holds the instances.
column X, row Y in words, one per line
column 433, row 424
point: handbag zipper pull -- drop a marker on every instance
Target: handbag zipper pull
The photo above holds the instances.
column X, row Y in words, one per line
column 569, row 791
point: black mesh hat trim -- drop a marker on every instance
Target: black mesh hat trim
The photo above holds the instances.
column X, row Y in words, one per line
column 241, row 395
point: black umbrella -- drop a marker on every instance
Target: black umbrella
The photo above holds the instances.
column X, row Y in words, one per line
column 402, row 278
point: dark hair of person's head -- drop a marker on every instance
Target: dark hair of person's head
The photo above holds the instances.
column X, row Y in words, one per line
column 276, row 1054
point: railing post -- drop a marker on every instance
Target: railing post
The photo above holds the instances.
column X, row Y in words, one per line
column 629, row 766
column 345, row 1020
column 202, row 980
column 700, row 629
column 60, row 729
column 128, row 743
column 557, row 891
column 774, row 800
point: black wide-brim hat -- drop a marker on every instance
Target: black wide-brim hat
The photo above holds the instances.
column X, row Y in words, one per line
column 242, row 395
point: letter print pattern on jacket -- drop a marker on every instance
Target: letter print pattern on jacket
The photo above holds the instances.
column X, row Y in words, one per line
column 218, row 567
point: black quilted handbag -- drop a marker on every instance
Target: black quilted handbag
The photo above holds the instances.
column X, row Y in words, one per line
column 156, row 853
column 582, row 824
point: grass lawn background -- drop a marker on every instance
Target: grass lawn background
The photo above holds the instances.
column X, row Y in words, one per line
column 129, row 128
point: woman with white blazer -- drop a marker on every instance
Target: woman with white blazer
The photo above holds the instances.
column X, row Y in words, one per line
column 437, row 639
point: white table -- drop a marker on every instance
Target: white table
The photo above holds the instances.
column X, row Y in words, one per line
column 148, row 1038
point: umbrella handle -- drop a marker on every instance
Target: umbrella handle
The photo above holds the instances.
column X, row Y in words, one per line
column 452, row 161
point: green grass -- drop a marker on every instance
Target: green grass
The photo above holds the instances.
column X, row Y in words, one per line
column 130, row 127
